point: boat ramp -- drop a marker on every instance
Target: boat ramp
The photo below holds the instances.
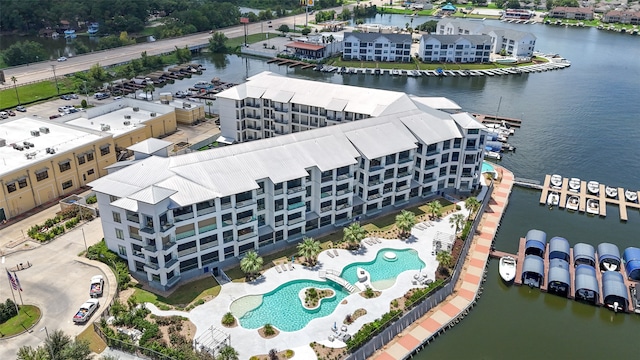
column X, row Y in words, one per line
column 584, row 195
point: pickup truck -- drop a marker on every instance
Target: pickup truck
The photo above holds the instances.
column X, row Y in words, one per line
column 97, row 285
column 86, row 310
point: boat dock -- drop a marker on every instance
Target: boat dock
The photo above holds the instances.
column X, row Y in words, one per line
column 494, row 119
column 544, row 284
column 584, row 195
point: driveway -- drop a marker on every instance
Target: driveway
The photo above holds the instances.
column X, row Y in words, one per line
column 57, row 282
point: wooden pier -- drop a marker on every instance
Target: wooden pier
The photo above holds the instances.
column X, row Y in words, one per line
column 290, row 63
column 493, row 119
column 584, row 195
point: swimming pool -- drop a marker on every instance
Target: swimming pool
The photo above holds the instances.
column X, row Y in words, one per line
column 282, row 307
column 383, row 272
column 486, row 167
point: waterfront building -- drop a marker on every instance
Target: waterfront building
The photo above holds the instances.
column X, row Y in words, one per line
column 513, row 42
column 574, row 13
column 377, row 47
column 174, row 218
column 46, row 160
column 306, row 51
column 623, row 17
column 519, row 14
column 455, row 48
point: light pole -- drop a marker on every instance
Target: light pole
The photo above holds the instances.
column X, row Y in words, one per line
column 53, row 67
column 50, row 350
column 13, row 78
column 86, row 249
column 86, row 93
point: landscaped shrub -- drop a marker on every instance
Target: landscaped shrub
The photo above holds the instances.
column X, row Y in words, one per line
column 419, row 294
column 7, row 310
column 119, row 266
column 269, row 330
column 92, row 199
column 465, row 230
column 372, row 328
column 228, row 319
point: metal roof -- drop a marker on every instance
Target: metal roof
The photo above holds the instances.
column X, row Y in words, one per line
column 608, row 251
column 632, row 262
column 150, row 146
column 613, row 285
column 559, row 244
column 586, row 278
column 373, row 37
column 127, row 204
column 152, row 194
column 559, row 271
column 436, row 102
column 584, row 251
column 376, row 141
column 538, row 235
column 533, row 264
column 456, row 38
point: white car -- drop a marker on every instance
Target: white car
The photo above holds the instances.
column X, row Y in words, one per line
column 86, row 310
column 62, row 58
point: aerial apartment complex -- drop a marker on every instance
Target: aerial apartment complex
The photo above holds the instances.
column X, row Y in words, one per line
column 174, row 218
column 455, row 48
column 376, row 47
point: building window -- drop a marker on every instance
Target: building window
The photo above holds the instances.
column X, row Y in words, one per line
column 105, row 150
column 65, row 165
column 113, row 198
column 90, row 172
column 122, row 250
column 120, row 234
column 22, row 183
column 42, row 174
column 90, row 156
column 81, row 159
column 116, row 217
column 67, row 184
column 11, row 187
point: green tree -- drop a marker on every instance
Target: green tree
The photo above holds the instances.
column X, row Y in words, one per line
column 549, row 4
column 472, row 204
column 14, row 80
column 251, row 264
column 405, row 222
column 305, row 31
column 77, row 350
column 24, row 52
column 309, row 248
column 56, row 343
column 284, row 28
column 148, row 88
column 80, row 47
column 435, row 209
column 227, row 353
column 345, row 14
column 29, row 353
column 457, row 221
column 353, row 235
column 97, row 74
column 217, row 43
column 444, row 258
column 209, row 103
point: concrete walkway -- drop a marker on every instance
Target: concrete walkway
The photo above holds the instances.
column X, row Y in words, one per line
column 466, row 289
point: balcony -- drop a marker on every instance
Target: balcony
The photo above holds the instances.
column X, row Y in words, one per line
column 334, row 118
column 326, row 208
column 253, row 105
column 373, row 197
column 135, row 236
column 428, row 180
column 295, row 221
column 225, row 206
column 133, row 218
column 278, row 223
column 430, row 166
column 470, row 148
column 295, row 190
column 153, row 266
column 295, row 205
column 208, row 245
column 170, row 263
column 138, row 255
column 326, row 178
column 183, row 217
column 206, row 211
column 279, row 132
column 342, row 192
column 166, row 226
column 247, row 236
column 245, row 220
column 375, row 182
column 465, row 174
column 185, row 234
column 227, row 222
column 342, row 206
column 149, row 248
column 433, row 152
column 169, row 244
column 344, row 177
column 376, row 168
column 402, row 188
column 405, row 160
column 281, row 121
column 254, row 127
column 207, row 228
column 387, row 190
column 148, row 230
column 326, row 194
column 403, row 174
column 278, row 192
column 245, row 203
column 281, row 108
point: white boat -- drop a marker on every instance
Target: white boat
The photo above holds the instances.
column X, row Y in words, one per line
column 507, row 268
column 593, row 187
column 631, row 196
column 574, row 184
column 556, row 180
column 492, row 155
column 553, row 199
column 611, row 192
column 573, row 203
column 593, row 206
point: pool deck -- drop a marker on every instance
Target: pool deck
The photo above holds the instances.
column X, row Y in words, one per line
column 467, row 288
column 248, row 342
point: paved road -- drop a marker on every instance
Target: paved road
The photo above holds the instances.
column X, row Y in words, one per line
column 58, row 283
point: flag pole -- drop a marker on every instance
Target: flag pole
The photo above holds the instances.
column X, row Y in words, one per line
column 19, row 288
column 11, row 287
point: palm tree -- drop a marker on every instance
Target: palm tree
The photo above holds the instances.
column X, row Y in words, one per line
column 444, row 258
column 251, row 263
column 472, row 204
column 457, row 221
column 29, row 353
column 405, row 221
column 56, row 343
column 209, row 103
column 13, row 78
column 435, row 208
column 309, row 249
column 148, row 89
column 227, row 353
column 354, row 234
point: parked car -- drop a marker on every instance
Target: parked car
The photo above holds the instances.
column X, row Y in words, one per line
column 97, row 286
column 65, row 97
column 64, row 108
column 4, row 115
column 86, row 310
column 73, row 96
column 11, row 113
column 62, row 58
column 54, row 116
column 21, row 108
column 100, row 96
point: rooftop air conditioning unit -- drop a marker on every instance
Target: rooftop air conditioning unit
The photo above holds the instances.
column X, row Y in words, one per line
column 166, row 102
column 3, row 142
column 105, row 127
column 127, row 116
column 186, row 106
column 153, row 114
column 44, row 130
column 127, row 123
column 35, row 133
column 136, row 109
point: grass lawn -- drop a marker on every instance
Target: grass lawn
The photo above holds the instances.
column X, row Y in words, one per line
column 182, row 296
column 32, row 92
column 235, row 42
column 96, row 344
column 27, row 316
column 386, row 222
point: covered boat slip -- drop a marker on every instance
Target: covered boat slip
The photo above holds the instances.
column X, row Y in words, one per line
column 559, row 248
column 584, row 254
column 614, row 290
column 608, row 257
column 533, row 271
column 631, row 258
column 559, row 278
column 586, row 285
column 536, row 243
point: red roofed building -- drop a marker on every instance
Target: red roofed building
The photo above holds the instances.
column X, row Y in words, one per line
column 307, row 50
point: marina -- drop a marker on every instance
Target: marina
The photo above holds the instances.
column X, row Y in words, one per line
column 580, row 273
column 590, row 197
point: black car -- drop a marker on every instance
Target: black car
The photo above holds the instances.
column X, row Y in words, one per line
column 65, row 97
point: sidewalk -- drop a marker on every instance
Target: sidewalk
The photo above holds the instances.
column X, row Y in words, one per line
column 466, row 290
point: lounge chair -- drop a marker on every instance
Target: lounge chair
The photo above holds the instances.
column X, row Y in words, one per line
column 290, row 266
column 284, row 267
column 330, row 254
column 278, row 269
column 378, row 240
column 331, row 337
column 335, row 252
column 343, row 328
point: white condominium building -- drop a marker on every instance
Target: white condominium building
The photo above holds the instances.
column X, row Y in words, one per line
column 174, row 218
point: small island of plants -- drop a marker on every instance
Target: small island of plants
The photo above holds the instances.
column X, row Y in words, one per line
column 313, row 297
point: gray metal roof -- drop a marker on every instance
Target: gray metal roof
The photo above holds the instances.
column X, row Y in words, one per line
column 476, row 27
column 559, row 244
column 559, row 271
column 613, row 284
column 152, row 194
column 150, row 145
column 533, row 264
column 584, row 251
column 452, row 39
column 586, row 278
column 372, row 37
column 538, row 235
column 608, row 251
column 383, row 139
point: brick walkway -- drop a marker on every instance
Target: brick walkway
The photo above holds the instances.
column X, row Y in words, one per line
column 468, row 285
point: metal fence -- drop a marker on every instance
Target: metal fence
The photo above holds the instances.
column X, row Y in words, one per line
column 421, row 307
column 128, row 347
